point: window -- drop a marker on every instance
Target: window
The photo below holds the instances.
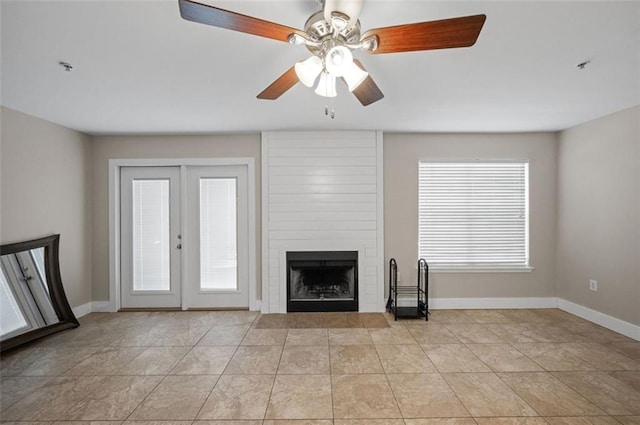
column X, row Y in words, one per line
column 218, row 234
column 474, row 215
column 151, row 239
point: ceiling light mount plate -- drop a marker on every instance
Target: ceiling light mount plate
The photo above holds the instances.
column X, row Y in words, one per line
column 583, row 65
column 66, row 65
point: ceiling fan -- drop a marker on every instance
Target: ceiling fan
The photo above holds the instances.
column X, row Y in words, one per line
column 331, row 34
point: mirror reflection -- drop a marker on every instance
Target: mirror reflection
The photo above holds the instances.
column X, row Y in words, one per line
column 25, row 303
column 32, row 299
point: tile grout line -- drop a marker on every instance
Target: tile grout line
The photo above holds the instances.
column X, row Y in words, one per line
column 275, row 376
column 466, row 344
column 223, row 370
column 333, row 412
column 395, row 397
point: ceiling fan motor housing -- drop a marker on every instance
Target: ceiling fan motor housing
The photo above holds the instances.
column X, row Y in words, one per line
column 319, row 31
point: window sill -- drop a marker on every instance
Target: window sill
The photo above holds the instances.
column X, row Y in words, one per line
column 481, row 270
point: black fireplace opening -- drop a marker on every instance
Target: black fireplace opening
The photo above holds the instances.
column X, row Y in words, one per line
column 322, row 281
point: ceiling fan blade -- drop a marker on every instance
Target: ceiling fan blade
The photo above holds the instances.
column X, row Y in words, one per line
column 280, row 86
column 432, row 35
column 368, row 91
column 210, row 15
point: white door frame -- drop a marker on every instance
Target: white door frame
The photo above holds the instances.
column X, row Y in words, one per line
column 183, row 163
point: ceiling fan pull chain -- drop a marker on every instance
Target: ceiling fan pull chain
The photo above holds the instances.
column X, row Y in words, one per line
column 331, row 113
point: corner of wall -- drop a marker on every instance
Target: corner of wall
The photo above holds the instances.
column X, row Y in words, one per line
column 598, row 235
column 556, row 281
column 59, row 154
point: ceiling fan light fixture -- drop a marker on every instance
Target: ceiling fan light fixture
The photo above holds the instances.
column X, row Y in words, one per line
column 338, row 60
column 339, row 21
column 354, row 76
column 326, row 85
column 349, row 8
column 308, row 70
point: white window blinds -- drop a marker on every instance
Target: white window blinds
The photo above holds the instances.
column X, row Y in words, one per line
column 473, row 215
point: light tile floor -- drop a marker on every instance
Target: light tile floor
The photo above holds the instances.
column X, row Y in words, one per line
column 463, row 367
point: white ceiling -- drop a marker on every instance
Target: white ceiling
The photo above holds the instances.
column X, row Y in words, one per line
column 140, row 68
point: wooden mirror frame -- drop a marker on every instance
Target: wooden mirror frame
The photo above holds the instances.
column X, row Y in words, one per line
column 56, row 291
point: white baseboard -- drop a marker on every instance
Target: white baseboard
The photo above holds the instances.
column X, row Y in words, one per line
column 256, row 305
column 91, row 307
column 492, row 303
column 100, row 307
column 82, row 310
column 609, row 322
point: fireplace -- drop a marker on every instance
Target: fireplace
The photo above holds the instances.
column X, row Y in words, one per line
column 322, row 281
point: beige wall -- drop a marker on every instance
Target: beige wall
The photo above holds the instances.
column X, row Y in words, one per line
column 598, row 215
column 401, row 155
column 43, row 173
column 593, row 170
column 112, row 147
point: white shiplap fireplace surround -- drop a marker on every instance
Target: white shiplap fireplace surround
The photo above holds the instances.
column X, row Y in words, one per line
column 322, row 191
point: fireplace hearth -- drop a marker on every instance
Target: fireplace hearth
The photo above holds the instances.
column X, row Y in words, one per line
column 322, row 281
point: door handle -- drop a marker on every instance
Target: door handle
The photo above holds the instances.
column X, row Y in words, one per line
column 179, row 246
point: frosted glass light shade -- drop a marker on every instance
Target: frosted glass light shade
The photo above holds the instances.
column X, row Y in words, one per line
column 308, row 70
column 338, row 60
column 351, row 8
column 354, row 76
column 326, row 85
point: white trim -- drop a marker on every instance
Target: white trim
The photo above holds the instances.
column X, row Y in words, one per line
column 82, row 309
column 435, row 269
column 251, row 216
column 114, row 235
column 264, row 195
column 625, row 328
column 380, row 217
column 609, row 322
column 114, row 214
column 184, row 250
column 282, row 269
column 92, row 307
column 491, row 303
column 100, row 307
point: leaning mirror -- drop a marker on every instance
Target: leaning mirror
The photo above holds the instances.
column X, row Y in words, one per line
column 32, row 299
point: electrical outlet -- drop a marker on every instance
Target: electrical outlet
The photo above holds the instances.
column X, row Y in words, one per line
column 593, row 285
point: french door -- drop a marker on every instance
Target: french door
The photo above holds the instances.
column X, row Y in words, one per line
column 184, row 236
column 218, row 274
column 150, row 235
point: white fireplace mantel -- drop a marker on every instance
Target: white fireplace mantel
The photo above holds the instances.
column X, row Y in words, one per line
column 322, row 191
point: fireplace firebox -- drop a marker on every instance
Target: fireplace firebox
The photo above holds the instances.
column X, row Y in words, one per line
column 322, row 281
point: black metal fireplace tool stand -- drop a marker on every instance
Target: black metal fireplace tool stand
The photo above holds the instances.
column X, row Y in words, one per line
column 415, row 295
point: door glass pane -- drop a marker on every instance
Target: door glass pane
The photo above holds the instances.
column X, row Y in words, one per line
column 218, row 239
column 151, row 243
column 11, row 318
column 37, row 256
